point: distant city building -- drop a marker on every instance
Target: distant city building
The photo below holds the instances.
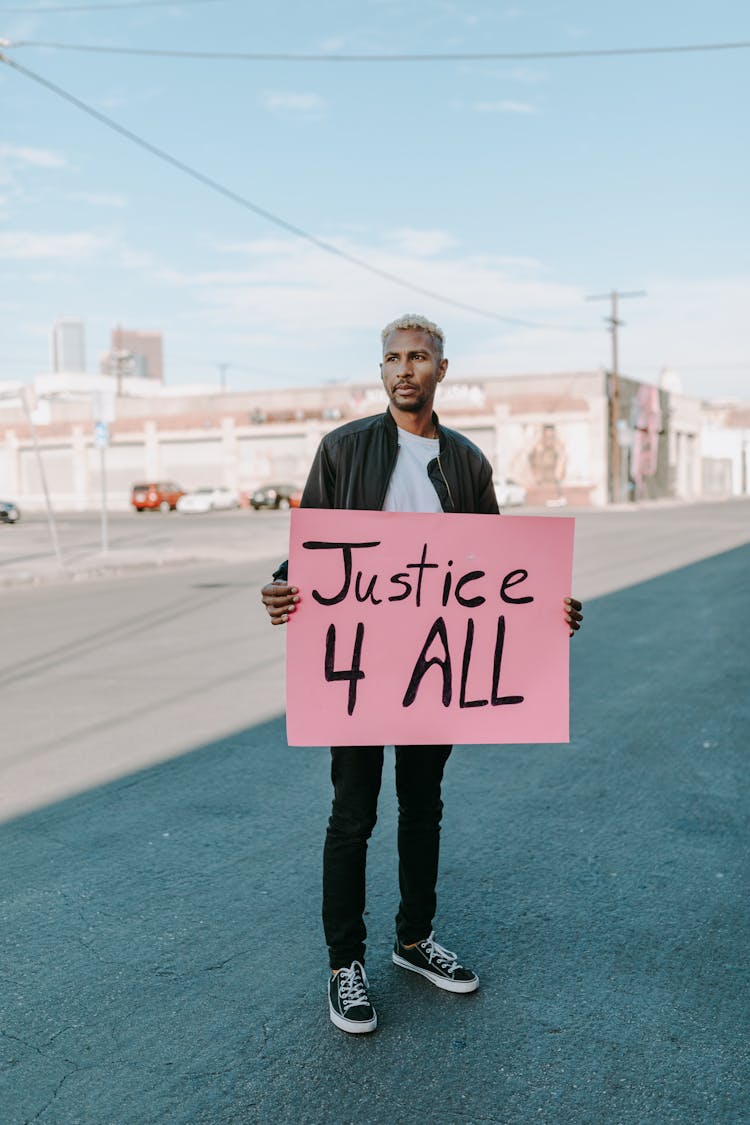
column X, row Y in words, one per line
column 68, row 345
column 133, row 353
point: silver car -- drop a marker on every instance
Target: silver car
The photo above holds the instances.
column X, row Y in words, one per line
column 9, row 513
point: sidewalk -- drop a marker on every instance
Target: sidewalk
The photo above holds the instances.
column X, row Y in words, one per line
column 135, row 545
column 118, row 563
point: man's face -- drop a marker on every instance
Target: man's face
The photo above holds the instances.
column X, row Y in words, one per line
column 411, row 369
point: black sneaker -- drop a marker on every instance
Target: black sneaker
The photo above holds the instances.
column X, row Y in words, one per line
column 348, row 1003
column 439, row 965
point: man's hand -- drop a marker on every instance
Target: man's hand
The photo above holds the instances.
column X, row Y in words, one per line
column 573, row 615
column 280, row 600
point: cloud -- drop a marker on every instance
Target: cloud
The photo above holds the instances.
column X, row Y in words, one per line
column 503, row 72
column 129, row 96
column 31, row 245
column 111, row 248
column 291, row 305
column 100, row 199
column 525, row 74
column 289, row 101
column 35, row 157
column 132, row 258
column 504, row 106
column 694, row 327
column 421, row 243
column 286, row 285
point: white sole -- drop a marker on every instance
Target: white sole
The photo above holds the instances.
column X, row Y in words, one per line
column 354, row 1027
column 439, row 982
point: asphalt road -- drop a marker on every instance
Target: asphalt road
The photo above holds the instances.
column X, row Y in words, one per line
column 162, row 959
column 135, row 542
column 614, row 548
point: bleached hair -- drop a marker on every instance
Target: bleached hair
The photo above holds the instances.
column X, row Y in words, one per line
column 413, row 320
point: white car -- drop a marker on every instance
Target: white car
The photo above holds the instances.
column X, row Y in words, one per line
column 9, row 512
column 508, row 492
column 208, row 500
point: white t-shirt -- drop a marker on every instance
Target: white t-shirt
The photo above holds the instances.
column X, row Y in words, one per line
column 410, row 489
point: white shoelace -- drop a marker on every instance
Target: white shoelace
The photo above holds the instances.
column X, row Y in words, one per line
column 438, row 954
column 353, row 986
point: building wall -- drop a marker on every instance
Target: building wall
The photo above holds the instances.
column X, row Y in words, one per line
column 684, row 447
column 550, row 433
column 725, row 463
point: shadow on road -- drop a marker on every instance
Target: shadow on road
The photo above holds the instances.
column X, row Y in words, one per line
column 163, row 955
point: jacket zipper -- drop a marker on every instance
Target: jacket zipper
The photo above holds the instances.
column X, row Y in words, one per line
column 442, row 474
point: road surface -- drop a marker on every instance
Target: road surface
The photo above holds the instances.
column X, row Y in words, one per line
column 162, row 959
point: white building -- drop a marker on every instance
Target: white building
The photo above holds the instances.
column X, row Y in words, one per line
column 566, row 437
column 68, row 345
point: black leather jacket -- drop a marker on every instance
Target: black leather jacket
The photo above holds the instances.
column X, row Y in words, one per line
column 354, row 463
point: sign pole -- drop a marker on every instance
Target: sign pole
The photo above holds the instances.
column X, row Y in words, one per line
column 103, row 465
column 101, row 441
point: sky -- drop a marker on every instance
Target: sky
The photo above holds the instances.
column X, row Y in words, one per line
column 511, row 190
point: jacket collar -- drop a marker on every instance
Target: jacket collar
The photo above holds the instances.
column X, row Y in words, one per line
column 392, row 428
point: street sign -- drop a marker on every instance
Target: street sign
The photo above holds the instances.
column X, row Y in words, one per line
column 101, row 435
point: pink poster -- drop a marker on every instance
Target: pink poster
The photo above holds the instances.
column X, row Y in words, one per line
column 419, row 628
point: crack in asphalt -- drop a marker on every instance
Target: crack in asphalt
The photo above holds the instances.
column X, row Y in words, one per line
column 18, row 1039
column 234, row 956
column 55, row 1093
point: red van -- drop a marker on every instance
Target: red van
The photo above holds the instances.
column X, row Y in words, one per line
column 161, row 496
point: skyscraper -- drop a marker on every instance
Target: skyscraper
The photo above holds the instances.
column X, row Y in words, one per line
column 135, row 353
column 68, row 345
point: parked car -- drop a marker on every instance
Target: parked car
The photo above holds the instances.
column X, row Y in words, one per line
column 509, row 493
column 160, row 496
column 274, row 496
column 208, row 500
column 9, row 512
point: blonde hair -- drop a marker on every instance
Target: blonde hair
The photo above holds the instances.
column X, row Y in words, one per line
column 413, row 320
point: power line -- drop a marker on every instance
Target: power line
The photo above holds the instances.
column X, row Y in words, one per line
column 269, row 216
column 453, row 56
column 107, row 7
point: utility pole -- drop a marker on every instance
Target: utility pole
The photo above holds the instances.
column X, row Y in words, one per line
column 24, row 396
column 223, row 368
column 613, row 389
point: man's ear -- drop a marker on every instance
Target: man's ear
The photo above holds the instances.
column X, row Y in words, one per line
column 442, row 370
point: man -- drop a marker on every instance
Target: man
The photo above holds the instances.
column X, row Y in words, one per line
column 400, row 461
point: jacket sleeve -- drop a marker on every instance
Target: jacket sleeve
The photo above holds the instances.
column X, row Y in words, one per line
column 318, row 492
column 320, row 489
column 486, row 500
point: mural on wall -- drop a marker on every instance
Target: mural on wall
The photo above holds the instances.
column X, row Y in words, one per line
column 642, row 441
column 646, row 423
column 548, row 459
column 541, row 464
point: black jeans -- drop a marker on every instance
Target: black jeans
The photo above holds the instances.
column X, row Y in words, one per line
column 356, row 772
